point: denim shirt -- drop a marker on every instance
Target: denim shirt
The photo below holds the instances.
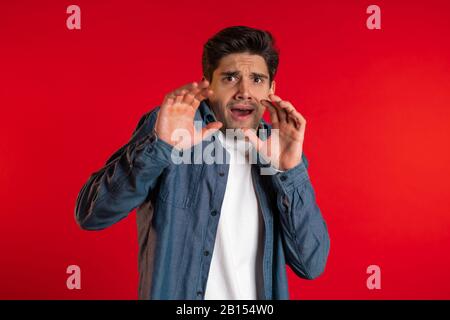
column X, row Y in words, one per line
column 178, row 210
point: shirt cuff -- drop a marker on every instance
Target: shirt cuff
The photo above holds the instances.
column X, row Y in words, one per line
column 159, row 150
column 291, row 179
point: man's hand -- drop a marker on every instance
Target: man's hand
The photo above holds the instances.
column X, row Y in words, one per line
column 284, row 151
column 175, row 121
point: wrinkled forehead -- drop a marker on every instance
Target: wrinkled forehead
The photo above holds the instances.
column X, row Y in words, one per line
column 244, row 63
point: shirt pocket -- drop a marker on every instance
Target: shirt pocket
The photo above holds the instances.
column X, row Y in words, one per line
column 179, row 184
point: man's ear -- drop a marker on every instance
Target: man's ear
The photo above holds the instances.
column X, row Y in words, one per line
column 272, row 87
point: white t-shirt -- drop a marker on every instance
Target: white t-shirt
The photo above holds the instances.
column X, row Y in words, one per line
column 236, row 266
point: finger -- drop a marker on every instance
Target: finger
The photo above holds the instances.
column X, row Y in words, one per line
column 302, row 122
column 210, row 128
column 273, row 113
column 186, row 87
column 180, row 91
column 282, row 116
column 292, row 117
column 298, row 120
column 201, row 95
column 293, row 114
column 203, row 84
column 168, row 101
column 287, row 106
column 253, row 138
column 180, row 95
column 290, row 109
column 295, row 117
column 295, row 121
column 190, row 95
column 193, row 90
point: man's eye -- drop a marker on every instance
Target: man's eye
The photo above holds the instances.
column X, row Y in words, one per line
column 230, row 78
column 258, row 80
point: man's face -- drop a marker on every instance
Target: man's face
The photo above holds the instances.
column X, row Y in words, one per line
column 239, row 83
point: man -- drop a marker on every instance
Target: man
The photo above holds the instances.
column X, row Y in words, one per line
column 216, row 230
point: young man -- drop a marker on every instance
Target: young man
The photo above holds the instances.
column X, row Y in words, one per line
column 216, row 229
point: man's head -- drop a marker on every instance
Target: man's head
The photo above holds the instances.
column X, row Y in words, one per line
column 240, row 63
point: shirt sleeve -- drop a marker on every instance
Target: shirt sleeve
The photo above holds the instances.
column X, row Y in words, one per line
column 304, row 231
column 126, row 179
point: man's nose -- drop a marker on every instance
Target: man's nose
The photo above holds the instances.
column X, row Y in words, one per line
column 243, row 92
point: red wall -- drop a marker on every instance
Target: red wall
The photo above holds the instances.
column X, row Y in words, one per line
column 377, row 104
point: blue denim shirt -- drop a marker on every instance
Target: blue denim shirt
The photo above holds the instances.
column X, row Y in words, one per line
column 178, row 210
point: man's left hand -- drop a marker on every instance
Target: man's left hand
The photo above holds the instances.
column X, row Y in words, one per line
column 283, row 150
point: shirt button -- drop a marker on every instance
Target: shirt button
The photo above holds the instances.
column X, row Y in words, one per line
column 221, row 174
column 214, row 213
column 206, row 253
column 283, row 178
column 199, row 293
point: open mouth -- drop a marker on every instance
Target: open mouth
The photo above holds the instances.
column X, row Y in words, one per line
column 241, row 112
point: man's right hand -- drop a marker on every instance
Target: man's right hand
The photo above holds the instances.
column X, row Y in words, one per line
column 175, row 121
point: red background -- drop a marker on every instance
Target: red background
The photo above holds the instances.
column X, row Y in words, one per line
column 376, row 101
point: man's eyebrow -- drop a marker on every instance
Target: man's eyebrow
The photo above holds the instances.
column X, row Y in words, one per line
column 230, row 73
column 236, row 73
column 260, row 75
